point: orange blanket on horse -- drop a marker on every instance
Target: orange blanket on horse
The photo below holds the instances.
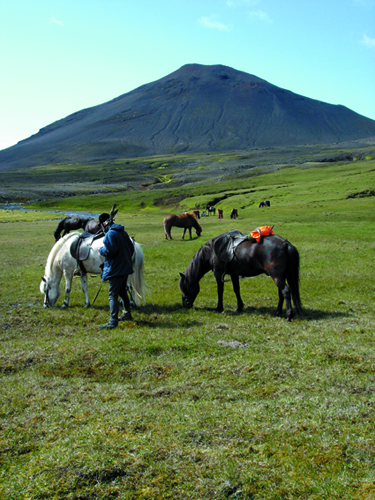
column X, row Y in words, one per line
column 261, row 231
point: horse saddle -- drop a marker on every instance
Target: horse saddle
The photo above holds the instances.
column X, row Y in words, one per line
column 80, row 248
column 226, row 245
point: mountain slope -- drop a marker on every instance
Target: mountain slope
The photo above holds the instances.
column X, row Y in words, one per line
column 196, row 108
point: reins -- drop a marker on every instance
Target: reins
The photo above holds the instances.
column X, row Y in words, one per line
column 96, row 296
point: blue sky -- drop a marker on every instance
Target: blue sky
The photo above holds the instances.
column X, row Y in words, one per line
column 60, row 56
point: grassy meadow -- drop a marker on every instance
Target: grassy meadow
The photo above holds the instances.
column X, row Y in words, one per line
column 192, row 404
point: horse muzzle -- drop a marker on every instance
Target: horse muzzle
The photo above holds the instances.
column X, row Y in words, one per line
column 186, row 302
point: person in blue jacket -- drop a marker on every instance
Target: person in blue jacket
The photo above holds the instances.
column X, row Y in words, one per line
column 117, row 249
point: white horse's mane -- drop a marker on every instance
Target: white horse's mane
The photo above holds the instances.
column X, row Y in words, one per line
column 55, row 249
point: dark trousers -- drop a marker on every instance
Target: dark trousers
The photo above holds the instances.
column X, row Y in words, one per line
column 117, row 288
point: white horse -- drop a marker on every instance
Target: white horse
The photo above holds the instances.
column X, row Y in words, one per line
column 60, row 262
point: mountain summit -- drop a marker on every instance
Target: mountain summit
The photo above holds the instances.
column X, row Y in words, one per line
column 194, row 109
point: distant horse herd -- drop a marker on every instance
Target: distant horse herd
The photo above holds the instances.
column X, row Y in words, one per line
column 231, row 253
column 186, row 221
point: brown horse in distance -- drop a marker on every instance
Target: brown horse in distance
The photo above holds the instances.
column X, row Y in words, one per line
column 186, row 221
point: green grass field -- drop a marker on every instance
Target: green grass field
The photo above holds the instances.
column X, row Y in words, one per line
column 191, row 404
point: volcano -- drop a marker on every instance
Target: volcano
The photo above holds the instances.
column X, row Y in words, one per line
column 194, row 109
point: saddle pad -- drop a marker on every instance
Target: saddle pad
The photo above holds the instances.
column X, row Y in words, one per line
column 225, row 246
column 261, row 231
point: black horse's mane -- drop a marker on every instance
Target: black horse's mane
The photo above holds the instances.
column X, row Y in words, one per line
column 196, row 265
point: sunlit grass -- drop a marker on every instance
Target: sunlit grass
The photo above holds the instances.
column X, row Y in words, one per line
column 194, row 404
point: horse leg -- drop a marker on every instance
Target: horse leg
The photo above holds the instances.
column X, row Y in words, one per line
column 236, row 288
column 279, row 308
column 190, row 232
column 284, row 294
column 85, row 289
column 220, row 291
column 68, row 287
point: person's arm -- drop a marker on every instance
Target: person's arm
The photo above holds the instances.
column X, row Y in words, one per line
column 109, row 248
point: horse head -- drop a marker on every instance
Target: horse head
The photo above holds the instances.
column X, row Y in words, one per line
column 50, row 290
column 189, row 291
column 197, row 226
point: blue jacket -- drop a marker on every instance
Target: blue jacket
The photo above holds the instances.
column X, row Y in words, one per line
column 117, row 249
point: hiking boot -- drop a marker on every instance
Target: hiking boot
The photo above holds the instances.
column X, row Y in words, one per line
column 108, row 326
column 126, row 316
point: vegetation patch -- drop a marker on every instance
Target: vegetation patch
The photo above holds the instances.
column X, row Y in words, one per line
column 367, row 193
column 191, row 403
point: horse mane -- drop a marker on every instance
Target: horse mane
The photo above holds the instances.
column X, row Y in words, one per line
column 55, row 249
column 195, row 269
column 191, row 216
column 196, row 223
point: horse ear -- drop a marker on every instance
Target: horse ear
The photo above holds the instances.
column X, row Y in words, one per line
column 182, row 275
column 44, row 279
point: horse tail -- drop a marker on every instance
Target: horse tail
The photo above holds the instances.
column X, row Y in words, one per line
column 167, row 226
column 60, row 227
column 137, row 281
column 292, row 275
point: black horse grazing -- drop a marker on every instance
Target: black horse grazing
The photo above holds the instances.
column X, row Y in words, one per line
column 72, row 223
column 273, row 256
column 234, row 213
column 187, row 221
column 211, row 210
column 265, row 203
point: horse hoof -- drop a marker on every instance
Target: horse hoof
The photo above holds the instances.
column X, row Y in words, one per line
column 64, row 306
column 87, row 305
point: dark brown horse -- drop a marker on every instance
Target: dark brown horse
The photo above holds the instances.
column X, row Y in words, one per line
column 187, row 221
column 234, row 213
column 273, row 256
column 89, row 225
column 70, row 224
